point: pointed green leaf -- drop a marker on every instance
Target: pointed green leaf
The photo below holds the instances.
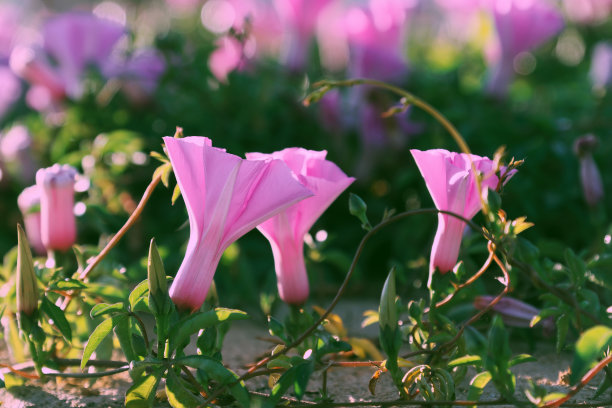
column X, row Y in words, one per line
column 138, row 292
column 216, row 371
column 98, row 335
column 178, row 395
column 466, row 360
column 176, row 193
column 105, row 308
column 142, row 393
column 180, row 332
column 477, row 385
column 589, row 348
column 520, row 359
column 56, row 314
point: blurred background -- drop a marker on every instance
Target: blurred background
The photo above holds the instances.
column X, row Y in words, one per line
column 97, row 84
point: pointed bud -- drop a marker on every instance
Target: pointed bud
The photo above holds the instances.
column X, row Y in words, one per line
column 590, row 178
column 158, row 287
column 27, row 284
column 358, row 208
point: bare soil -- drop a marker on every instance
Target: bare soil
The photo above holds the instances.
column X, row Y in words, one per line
column 243, row 344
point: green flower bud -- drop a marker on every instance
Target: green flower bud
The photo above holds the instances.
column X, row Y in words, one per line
column 158, row 287
column 27, row 284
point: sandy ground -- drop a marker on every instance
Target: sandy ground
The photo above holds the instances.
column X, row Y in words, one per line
column 243, row 344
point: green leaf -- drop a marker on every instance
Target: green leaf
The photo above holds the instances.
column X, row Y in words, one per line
column 178, row 395
column 180, row 332
column 105, row 308
column 123, row 332
column 142, row 393
column 520, row 359
column 56, row 314
column 466, row 360
column 390, row 336
column 562, row 328
column 176, row 193
column 589, row 348
column 67, row 284
column 477, row 385
column 576, row 267
column 276, row 328
column 297, row 376
column 219, row 373
column 138, row 292
column 98, row 335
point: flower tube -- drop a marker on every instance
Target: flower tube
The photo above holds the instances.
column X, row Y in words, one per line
column 226, row 197
column 58, row 224
column 452, row 184
column 29, row 204
column 286, row 230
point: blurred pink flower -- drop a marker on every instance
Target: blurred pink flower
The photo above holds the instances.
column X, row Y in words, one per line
column 16, row 151
column 452, row 186
column 375, row 38
column 521, row 25
column 76, row 41
column 139, row 74
column 56, row 187
column 299, row 20
column 10, row 90
column 287, row 229
column 29, row 204
column 226, row 197
column 226, row 58
column 588, row 11
column 10, row 16
column 601, row 65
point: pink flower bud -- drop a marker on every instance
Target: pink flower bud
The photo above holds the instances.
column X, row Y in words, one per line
column 58, row 225
column 513, row 312
column 29, row 204
column 590, row 178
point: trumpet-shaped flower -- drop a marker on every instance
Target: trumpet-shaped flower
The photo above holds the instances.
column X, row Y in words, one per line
column 452, row 184
column 29, row 204
column 58, row 224
column 287, row 229
column 226, row 197
column 521, row 26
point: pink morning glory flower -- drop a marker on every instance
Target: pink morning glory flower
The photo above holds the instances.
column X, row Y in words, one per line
column 521, row 26
column 29, row 204
column 452, row 185
column 287, row 229
column 226, row 197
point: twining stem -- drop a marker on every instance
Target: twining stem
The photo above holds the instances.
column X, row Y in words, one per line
column 342, row 288
column 410, row 99
column 126, row 227
column 583, row 381
column 493, row 302
column 467, row 283
column 88, row 375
